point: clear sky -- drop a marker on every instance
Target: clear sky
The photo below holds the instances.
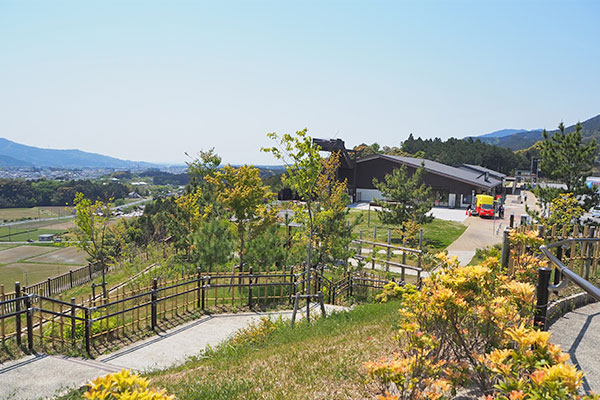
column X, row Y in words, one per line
column 150, row 80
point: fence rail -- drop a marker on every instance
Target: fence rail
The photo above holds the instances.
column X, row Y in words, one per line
column 574, row 255
column 44, row 322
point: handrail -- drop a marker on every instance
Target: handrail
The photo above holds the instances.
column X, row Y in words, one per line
column 572, row 276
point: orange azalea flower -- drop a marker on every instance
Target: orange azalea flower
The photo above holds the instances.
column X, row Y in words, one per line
column 538, row 376
column 516, row 395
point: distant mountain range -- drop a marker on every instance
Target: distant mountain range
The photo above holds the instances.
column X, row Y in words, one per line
column 517, row 139
column 14, row 154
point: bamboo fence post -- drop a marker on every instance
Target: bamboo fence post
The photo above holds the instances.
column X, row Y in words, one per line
column 123, row 311
column 374, row 251
column 88, row 331
column 572, row 254
column 29, row 324
column 41, row 318
column 106, row 311
column 73, row 326
column 389, row 251
column 60, row 320
column 137, row 310
column 17, row 309
column 2, row 298
column 250, row 289
column 153, row 305
column 199, row 288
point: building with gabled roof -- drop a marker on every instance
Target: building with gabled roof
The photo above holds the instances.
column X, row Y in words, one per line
column 452, row 187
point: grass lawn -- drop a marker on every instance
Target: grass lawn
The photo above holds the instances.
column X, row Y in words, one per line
column 437, row 235
column 323, row 360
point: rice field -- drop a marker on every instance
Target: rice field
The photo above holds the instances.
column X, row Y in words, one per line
column 31, row 264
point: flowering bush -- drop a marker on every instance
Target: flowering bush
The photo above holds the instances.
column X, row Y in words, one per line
column 459, row 315
column 123, row 386
column 524, row 249
column 533, row 368
column 473, row 323
column 256, row 332
column 393, row 291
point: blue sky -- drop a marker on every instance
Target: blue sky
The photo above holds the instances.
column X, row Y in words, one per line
column 151, row 80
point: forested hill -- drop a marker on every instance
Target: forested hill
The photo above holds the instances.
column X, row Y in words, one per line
column 524, row 140
column 466, row 151
column 14, row 154
column 21, row 193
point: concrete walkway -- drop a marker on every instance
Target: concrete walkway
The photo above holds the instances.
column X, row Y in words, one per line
column 481, row 233
column 45, row 376
column 578, row 333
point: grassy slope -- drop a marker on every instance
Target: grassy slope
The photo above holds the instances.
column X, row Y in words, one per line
column 437, row 235
column 321, row 360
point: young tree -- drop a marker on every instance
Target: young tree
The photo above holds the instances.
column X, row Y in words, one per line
column 212, row 243
column 332, row 232
column 566, row 158
column 303, row 165
column 406, row 198
column 243, row 194
column 267, row 248
column 91, row 222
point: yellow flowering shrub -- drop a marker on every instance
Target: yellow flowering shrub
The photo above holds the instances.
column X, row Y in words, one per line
column 393, row 291
column 460, row 314
column 533, row 368
column 123, row 385
column 256, row 332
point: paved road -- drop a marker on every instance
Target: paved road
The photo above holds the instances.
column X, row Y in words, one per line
column 481, row 232
column 578, row 333
column 44, row 376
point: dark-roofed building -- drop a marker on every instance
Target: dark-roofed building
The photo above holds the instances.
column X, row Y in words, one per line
column 453, row 187
column 482, row 170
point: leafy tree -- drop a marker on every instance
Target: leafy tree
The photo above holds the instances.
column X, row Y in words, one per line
column 212, row 243
column 466, row 151
column 564, row 209
column 324, row 209
column 364, row 150
column 332, row 232
column 565, row 157
column 406, row 198
column 267, row 248
column 91, row 221
column 243, row 194
column 303, row 166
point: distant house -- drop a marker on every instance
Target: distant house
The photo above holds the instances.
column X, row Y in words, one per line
column 134, row 195
column 46, row 237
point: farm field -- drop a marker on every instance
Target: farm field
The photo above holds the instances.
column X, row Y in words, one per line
column 31, row 230
column 18, row 214
column 66, row 255
column 29, row 273
column 30, row 264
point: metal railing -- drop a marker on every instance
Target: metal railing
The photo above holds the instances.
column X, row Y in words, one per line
column 563, row 274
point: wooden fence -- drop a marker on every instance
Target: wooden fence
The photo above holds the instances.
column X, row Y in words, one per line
column 405, row 253
column 59, row 283
column 581, row 257
column 55, row 324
